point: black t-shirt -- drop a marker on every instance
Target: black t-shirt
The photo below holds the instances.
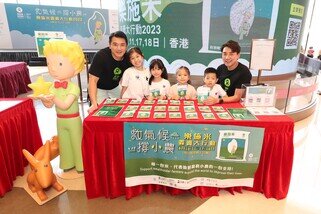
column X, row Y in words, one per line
column 109, row 70
column 231, row 80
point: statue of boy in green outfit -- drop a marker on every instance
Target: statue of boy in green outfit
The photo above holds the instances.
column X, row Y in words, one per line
column 65, row 59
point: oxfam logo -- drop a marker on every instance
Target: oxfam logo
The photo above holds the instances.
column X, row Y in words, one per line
column 227, row 82
column 117, row 71
column 19, row 10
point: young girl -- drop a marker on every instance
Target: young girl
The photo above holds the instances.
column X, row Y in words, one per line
column 182, row 89
column 158, row 83
column 135, row 79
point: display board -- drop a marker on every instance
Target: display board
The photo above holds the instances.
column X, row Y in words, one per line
column 90, row 27
column 260, row 95
column 191, row 32
column 262, row 53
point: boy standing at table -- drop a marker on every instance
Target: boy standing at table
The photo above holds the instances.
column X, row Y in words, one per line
column 210, row 91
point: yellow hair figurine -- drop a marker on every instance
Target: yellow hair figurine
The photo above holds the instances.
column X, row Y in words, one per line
column 65, row 59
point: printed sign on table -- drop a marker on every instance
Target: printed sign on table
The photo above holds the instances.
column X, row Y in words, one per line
column 187, row 155
column 108, row 111
column 260, row 95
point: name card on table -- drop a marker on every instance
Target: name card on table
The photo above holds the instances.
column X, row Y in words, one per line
column 259, row 95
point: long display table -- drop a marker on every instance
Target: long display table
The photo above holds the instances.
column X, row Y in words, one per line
column 103, row 155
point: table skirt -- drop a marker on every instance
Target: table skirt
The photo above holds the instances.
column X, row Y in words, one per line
column 18, row 130
column 14, row 79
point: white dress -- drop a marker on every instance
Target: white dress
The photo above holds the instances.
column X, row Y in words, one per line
column 159, row 88
column 136, row 82
column 186, row 89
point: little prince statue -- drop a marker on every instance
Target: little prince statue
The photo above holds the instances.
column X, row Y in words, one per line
column 65, row 59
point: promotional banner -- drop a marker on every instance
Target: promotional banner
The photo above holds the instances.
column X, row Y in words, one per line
column 187, row 155
column 190, row 33
column 90, row 27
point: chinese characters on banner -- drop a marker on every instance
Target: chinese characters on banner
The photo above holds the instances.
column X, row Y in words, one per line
column 141, row 16
column 90, row 27
column 188, row 155
column 191, row 32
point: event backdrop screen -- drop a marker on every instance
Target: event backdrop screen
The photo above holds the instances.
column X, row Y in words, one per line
column 90, row 27
column 191, row 32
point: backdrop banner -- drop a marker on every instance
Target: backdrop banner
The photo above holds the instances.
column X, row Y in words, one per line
column 191, row 32
column 90, row 27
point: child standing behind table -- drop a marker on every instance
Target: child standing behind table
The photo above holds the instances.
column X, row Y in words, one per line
column 210, row 90
column 310, row 52
column 182, row 89
column 158, row 83
column 135, row 79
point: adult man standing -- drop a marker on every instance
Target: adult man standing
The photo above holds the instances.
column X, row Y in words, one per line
column 232, row 74
column 107, row 69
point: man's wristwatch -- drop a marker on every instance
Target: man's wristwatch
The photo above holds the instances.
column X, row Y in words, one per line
column 220, row 101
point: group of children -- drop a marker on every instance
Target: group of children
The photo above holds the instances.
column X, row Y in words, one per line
column 139, row 82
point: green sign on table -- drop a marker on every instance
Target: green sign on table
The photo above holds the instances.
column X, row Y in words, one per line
column 241, row 114
column 108, row 111
column 187, row 155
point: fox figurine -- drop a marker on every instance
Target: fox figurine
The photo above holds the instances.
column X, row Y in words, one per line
column 54, row 149
column 41, row 175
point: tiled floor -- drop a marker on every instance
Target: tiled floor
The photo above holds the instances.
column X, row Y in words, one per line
column 304, row 195
column 305, row 190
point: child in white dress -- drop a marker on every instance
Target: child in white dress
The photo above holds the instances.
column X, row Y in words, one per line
column 135, row 79
column 182, row 89
column 210, row 90
column 158, row 83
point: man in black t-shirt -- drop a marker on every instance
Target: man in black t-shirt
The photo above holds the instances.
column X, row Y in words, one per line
column 232, row 74
column 107, row 69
